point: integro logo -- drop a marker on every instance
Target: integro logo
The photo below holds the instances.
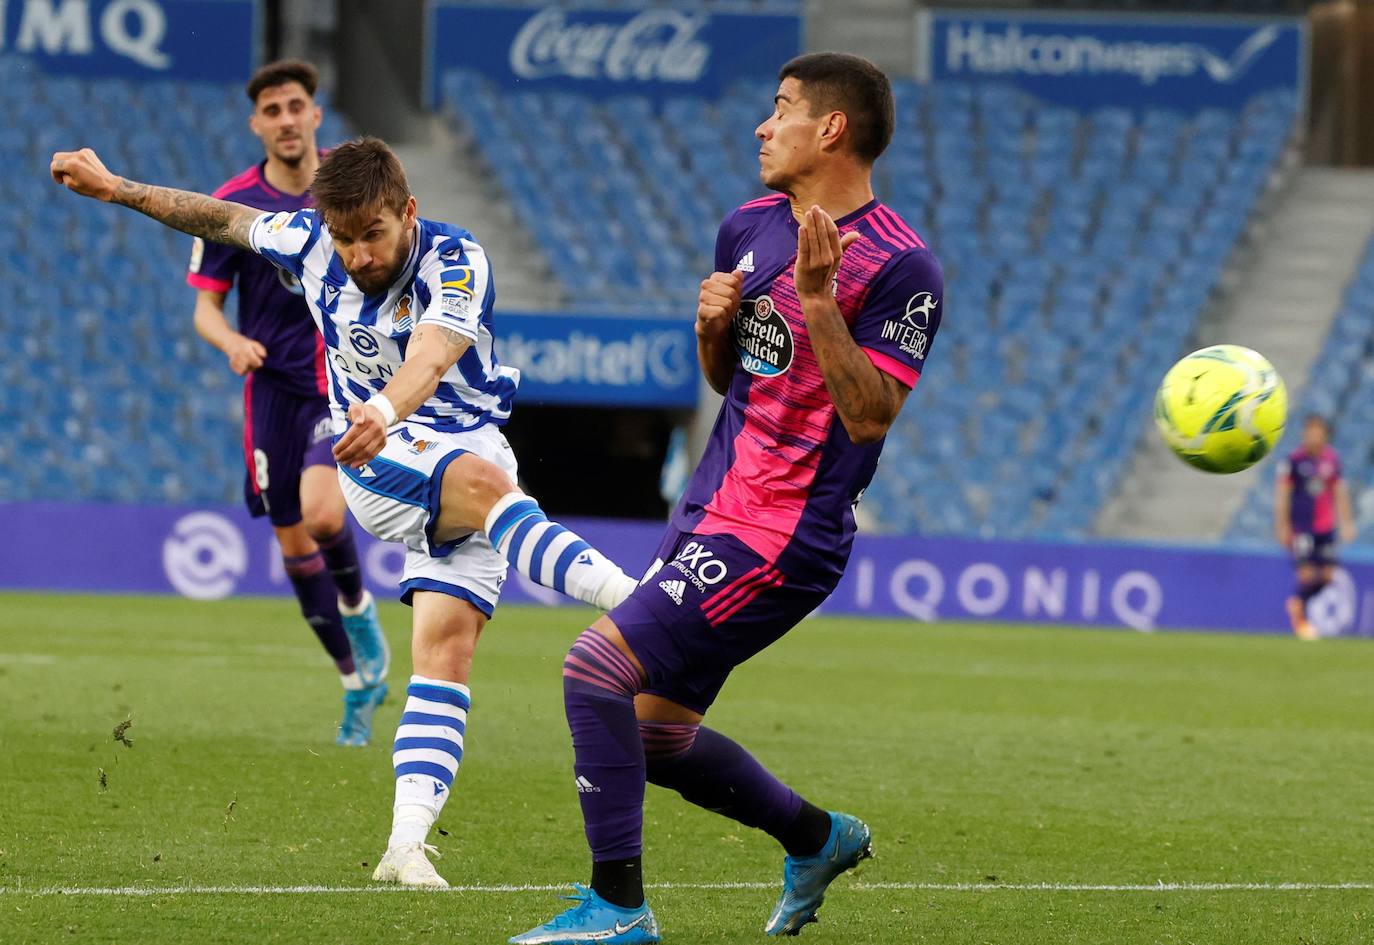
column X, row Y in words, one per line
column 205, row 556
column 1053, row 50
column 653, row 46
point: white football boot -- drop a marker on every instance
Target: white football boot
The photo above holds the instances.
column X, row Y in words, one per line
column 406, row 864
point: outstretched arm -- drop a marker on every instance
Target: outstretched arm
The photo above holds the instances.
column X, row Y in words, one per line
column 216, row 220
column 432, row 350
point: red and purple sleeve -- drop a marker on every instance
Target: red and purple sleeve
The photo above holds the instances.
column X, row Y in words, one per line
column 901, row 315
column 213, row 266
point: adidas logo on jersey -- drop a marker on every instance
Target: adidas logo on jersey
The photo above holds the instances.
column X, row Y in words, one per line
column 586, row 787
column 674, row 590
column 746, row 262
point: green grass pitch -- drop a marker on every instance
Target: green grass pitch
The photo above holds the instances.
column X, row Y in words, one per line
column 987, row 759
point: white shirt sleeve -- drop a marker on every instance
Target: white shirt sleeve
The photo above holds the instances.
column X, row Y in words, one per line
column 284, row 239
column 458, row 280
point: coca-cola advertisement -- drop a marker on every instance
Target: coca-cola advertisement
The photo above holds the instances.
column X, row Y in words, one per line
column 604, row 51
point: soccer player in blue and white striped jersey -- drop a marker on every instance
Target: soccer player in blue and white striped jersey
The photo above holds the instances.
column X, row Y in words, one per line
column 417, row 399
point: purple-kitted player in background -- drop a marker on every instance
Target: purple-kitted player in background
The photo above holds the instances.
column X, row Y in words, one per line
column 815, row 327
column 1311, row 501
column 287, row 436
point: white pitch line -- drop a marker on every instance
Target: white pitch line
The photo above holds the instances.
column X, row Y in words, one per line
column 527, row 887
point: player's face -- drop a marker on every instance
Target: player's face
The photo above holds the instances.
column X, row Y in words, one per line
column 790, row 139
column 373, row 245
column 285, row 118
column 1314, row 437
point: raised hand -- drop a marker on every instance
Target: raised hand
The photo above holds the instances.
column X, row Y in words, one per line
column 819, row 250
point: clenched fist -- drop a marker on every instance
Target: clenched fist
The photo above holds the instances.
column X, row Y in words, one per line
column 364, row 439
column 718, row 303
column 83, row 172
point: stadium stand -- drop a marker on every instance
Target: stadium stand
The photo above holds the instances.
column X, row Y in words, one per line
column 118, row 399
column 1340, row 387
column 1079, row 251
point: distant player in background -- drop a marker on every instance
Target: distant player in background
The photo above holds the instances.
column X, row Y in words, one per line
column 815, row 326
column 1311, row 501
column 286, row 428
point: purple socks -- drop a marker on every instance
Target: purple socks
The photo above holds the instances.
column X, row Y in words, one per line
column 614, row 754
column 599, row 686
column 713, row 772
column 341, row 557
column 320, row 606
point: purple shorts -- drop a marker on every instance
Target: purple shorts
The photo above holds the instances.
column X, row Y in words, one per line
column 1316, row 548
column 283, row 433
column 709, row 604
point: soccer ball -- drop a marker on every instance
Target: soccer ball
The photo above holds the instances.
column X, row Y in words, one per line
column 1222, row 408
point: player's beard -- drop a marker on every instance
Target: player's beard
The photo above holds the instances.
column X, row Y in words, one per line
column 292, row 160
column 375, row 285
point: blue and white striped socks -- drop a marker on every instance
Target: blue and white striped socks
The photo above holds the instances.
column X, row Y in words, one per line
column 551, row 555
column 426, row 754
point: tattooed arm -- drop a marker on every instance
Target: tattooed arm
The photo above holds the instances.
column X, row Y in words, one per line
column 866, row 398
column 432, row 350
column 216, row 220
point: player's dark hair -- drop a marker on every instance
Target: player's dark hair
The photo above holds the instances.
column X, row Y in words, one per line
column 360, row 176
column 281, row 72
column 853, row 85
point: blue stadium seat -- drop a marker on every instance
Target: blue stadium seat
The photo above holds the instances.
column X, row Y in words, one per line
column 128, row 338
column 1340, row 387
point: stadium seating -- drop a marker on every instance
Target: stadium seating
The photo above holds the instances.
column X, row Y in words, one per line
column 1079, row 250
column 1340, row 386
column 113, row 396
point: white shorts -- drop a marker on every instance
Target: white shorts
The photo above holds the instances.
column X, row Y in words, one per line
column 396, row 498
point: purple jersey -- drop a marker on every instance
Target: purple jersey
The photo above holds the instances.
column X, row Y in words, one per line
column 272, row 309
column 1312, row 508
column 780, row 472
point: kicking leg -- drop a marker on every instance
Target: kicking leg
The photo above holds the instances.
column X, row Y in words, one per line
column 478, row 496
column 429, row 739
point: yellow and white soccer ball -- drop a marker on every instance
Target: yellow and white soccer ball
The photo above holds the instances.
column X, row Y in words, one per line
column 1222, row 408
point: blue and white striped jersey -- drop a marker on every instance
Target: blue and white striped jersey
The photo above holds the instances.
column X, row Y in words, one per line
column 446, row 281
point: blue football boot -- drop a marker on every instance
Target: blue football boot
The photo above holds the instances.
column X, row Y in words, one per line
column 355, row 728
column 806, row 878
column 371, row 655
column 594, row 919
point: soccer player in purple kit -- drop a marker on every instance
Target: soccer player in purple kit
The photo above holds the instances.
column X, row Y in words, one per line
column 287, row 435
column 815, row 327
column 1310, row 499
